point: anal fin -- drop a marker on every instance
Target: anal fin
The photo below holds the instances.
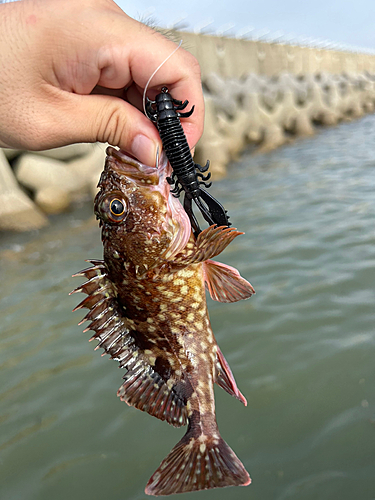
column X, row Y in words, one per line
column 225, row 283
column 144, row 389
column 225, row 378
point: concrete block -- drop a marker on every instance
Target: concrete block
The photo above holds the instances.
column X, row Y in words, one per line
column 17, row 211
column 234, row 131
column 89, row 166
column 12, row 153
column 52, row 200
column 37, row 172
column 272, row 139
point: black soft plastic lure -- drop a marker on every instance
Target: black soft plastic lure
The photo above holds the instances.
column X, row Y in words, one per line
column 165, row 112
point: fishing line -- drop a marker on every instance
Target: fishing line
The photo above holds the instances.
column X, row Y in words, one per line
column 154, row 73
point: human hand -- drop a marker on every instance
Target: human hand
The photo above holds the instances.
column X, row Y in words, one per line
column 64, row 65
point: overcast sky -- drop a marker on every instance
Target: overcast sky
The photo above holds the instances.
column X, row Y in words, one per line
column 350, row 22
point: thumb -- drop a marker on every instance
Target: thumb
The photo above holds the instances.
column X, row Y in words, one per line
column 99, row 118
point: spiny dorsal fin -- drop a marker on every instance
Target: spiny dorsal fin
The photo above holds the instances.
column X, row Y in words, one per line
column 143, row 387
column 225, row 283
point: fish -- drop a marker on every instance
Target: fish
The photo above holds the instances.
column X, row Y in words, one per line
column 148, row 311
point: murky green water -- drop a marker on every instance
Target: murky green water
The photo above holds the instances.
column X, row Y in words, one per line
column 302, row 349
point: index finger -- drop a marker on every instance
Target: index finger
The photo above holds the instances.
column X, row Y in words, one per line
column 180, row 74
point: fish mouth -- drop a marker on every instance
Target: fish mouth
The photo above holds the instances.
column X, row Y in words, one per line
column 137, row 171
column 155, row 179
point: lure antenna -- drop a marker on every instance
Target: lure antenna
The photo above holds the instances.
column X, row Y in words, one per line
column 154, row 73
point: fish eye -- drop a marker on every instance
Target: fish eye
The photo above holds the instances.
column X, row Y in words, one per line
column 112, row 207
column 117, row 207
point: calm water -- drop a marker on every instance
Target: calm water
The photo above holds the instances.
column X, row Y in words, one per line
column 302, row 349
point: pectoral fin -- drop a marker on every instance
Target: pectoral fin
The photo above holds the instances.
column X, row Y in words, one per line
column 208, row 244
column 225, row 283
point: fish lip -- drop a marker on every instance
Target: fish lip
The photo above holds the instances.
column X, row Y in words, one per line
column 128, row 164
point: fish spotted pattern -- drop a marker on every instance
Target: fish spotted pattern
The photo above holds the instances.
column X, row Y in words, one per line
column 147, row 308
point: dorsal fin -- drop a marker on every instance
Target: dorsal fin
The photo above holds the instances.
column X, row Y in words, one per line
column 143, row 387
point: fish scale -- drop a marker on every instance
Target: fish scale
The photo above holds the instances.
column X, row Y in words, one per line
column 147, row 308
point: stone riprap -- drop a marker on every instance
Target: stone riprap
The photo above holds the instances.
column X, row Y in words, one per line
column 270, row 111
column 17, row 211
column 46, row 182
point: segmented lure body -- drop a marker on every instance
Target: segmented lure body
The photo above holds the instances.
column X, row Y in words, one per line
column 165, row 112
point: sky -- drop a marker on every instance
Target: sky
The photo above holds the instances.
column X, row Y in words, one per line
column 350, row 22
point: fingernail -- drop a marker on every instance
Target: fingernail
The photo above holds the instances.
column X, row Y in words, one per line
column 144, row 149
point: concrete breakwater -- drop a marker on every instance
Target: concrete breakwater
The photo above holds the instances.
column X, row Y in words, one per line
column 270, row 111
column 255, row 93
column 236, row 58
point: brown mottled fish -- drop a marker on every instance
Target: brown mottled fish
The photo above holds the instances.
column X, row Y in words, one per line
column 148, row 311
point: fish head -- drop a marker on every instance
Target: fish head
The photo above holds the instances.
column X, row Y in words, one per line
column 142, row 222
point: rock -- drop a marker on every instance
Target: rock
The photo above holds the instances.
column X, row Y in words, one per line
column 319, row 110
column 369, row 106
column 17, row 211
column 223, row 104
column 52, row 200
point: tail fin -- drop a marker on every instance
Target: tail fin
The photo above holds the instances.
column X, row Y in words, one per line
column 198, row 464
